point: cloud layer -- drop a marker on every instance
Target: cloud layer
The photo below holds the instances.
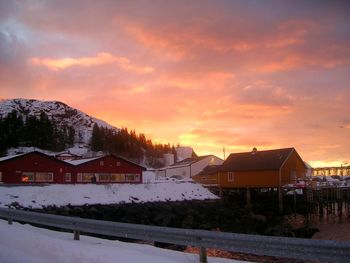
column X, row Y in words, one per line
column 212, row 74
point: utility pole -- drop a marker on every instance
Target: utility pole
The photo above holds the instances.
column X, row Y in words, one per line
column 223, row 149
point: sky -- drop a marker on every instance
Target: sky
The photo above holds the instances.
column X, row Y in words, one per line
column 206, row 74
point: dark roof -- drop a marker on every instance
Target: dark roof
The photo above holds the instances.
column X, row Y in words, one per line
column 9, row 158
column 210, row 169
column 191, row 160
column 258, row 160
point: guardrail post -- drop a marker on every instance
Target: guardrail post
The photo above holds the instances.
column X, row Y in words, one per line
column 9, row 221
column 76, row 235
column 203, row 255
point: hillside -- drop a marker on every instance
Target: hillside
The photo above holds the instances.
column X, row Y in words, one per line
column 54, row 127
column 60, row 113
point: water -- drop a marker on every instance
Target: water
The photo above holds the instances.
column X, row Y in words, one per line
column 332, row 226
column 333, row 223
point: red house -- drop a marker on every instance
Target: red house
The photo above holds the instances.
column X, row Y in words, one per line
column 37, row 167
column 34, row 167
column 106, row 169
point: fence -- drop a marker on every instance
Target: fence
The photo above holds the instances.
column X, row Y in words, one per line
column 298, row 248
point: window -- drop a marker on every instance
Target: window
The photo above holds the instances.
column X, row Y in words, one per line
column 87, row 177
column 102, row 163
column 117, row 177
column 132, row 178
column 103, row 177
column 68, row 177
column 118, row 163
column 43, row 177
column 230, row 176
column 27, row 177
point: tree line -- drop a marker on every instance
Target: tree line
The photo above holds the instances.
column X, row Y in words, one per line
column 41, row 132
column 32, row 131
column 129, row 144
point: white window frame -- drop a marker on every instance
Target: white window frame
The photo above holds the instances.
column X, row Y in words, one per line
column 106, row 180
column 230, row 176
column 87, row 177
column 135, row 178
column 120, row 178
column 68, row 177
column 48, row 177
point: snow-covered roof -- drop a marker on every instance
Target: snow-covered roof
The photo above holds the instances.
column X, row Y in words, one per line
column 186, row 162
column 10, row 157
column 81, row 161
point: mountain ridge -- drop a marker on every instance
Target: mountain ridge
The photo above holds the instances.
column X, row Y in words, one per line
column 57, row 111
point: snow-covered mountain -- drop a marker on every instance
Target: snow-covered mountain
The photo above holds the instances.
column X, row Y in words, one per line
column 59, row 112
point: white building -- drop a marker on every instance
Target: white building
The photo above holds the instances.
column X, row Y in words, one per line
column 188, row 167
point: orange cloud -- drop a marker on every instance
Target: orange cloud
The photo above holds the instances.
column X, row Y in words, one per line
column 100, row 59
column 293, row 62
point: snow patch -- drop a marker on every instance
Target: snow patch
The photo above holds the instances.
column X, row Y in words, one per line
column 81, row 194
column 25, row 243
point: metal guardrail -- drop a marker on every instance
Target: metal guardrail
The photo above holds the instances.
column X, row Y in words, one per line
column 298, row 248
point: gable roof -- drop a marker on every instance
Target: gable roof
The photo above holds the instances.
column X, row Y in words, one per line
column 258, row 160
column 87, row 160
column 12, row 157
column 81, row 161
column 189, row 161
column 210, row 170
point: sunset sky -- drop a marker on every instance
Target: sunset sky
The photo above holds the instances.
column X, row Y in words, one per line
column 208, row 74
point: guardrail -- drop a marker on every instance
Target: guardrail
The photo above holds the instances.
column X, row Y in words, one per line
column 299, row 248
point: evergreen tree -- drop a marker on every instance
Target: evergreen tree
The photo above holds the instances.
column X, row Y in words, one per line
column 96, row 139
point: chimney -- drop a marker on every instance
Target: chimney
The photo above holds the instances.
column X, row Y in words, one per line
column 254, row 151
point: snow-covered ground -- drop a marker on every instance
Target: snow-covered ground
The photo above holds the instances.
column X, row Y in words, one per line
column 61, row 195
column 25, row 243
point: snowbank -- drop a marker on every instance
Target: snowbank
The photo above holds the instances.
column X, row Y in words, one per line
column 25, row 243
column 61, row 195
